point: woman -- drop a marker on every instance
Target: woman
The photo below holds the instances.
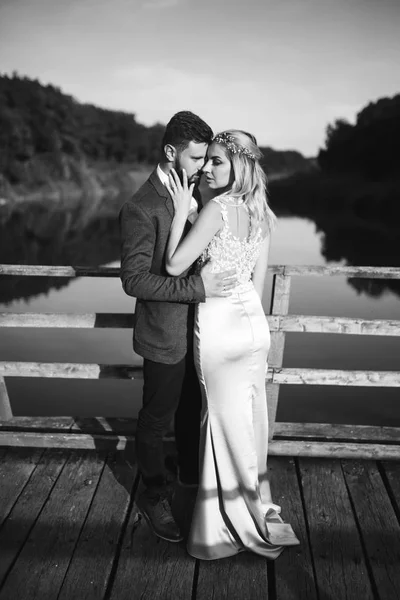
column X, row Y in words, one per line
column 234, row 510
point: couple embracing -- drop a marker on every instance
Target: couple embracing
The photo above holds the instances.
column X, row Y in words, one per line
column 198, row 277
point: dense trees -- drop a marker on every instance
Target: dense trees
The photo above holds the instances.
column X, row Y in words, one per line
column 42, row 129
column 370, row 147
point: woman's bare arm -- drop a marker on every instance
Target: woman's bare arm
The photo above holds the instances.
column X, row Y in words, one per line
column 181, row 253
column 260, row 270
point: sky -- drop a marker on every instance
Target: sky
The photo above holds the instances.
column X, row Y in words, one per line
column 281, row 69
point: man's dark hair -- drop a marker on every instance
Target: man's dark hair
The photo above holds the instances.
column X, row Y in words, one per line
column 185, row 127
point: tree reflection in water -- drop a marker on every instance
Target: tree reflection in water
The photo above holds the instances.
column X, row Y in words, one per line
column 359, row 220
column 43, row 235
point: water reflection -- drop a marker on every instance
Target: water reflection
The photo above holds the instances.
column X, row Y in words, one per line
column 351, row 232
column 359, row 223
column 43, row 235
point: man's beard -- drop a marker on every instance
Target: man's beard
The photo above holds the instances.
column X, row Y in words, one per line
column 195, row 178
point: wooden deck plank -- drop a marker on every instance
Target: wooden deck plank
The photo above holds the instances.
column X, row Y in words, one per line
column 379, row 526
column 41, row 566
column 22, row 517
column 149, row 568
column 234, row 578
column 294, row 576
column 89, row 570
column 42, row 424
column 16, row 467
column 391, row 474
column 337, row 552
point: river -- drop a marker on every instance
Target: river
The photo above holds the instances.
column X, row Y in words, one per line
column 296, row 241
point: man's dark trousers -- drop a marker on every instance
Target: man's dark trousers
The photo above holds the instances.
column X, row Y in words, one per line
column 169, row 392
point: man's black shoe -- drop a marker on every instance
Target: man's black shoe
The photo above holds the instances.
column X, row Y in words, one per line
column 156, row 510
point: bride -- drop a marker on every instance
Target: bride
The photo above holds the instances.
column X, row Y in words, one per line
column 234, row 509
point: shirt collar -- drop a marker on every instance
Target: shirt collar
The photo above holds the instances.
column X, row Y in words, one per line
column 163, row 177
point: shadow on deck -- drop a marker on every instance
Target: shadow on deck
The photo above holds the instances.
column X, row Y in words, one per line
column 69, row 529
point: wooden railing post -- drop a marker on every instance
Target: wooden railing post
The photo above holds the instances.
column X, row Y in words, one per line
column 279, row 306
column 5, row 406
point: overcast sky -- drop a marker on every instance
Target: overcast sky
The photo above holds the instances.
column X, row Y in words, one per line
column 282, row 69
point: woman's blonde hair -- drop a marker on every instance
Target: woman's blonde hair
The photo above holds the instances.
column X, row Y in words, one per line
column 250, row 181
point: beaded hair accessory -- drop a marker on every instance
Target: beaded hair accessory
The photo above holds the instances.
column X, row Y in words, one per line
column 229, row 141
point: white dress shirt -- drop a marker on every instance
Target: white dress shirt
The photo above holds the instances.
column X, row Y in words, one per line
column 193, row 209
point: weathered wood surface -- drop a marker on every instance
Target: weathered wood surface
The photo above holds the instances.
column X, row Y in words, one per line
column 363, row 272
column 109, row 441
column 16, row 467
column 335, row 377
column 44, row 424
column 54, row 534
column 380, row 529
column 339, row 325
column 339, row 562
column 126, row 426
column 70, row 370
column 67, row 320
column 296, row 270
column 90, row 567
column 5, row 406
column 73, row 531
column 279, row 306
column 339, row 431
column 278, row 323
column 334, row 449
column 294, row 571
column 57, row 271
column 241, row 576
column 291, row 376
column 28, row 506
column 151, row 569
column 391, row 474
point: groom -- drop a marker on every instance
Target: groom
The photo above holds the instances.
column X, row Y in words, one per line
column 164, row 318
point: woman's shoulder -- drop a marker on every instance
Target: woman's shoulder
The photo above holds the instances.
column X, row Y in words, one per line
column 224, row 200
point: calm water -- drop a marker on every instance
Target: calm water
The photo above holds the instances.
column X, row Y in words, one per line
column 296, row 241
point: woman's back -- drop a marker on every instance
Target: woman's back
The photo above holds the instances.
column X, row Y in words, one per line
column 237, row 244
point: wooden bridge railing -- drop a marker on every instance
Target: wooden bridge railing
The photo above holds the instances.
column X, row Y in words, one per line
column 318, row 439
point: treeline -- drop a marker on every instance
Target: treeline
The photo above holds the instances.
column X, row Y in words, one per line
column 47, row 136
column 370, row 147
column 40, row 128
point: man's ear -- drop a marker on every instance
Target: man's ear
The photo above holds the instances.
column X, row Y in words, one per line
column 170, row 152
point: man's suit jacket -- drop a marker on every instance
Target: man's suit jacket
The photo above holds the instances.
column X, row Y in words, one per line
column 165, row 304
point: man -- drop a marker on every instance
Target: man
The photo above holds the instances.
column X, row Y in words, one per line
column 163, row 332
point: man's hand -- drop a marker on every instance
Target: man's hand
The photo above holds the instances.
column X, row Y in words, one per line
column 218, row 284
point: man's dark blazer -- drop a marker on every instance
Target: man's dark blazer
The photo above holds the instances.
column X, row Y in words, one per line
column 164, row 303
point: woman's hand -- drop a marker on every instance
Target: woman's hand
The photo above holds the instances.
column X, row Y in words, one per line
column 181, row 194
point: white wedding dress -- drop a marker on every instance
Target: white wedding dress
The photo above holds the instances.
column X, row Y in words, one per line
column 234, row 510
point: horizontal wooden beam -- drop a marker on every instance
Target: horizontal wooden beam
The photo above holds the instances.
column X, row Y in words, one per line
column 127, row 426
column 334, row 450
column 277, row 375
column 276, row 447
column 362, row 272
column 295, row 270
column 58, row 271
column 335, row 377
column 287, row 324
column 67, row 320
column 340, row 325
column 338, row 431
column 70, row 370
column 77, row 271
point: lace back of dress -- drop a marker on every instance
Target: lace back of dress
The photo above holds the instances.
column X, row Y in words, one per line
column 228, row 251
